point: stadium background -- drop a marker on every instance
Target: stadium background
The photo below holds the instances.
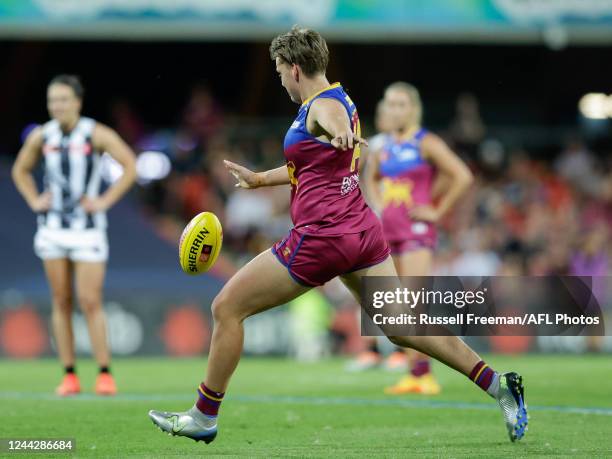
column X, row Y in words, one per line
column 521, row 89
column 504, row 85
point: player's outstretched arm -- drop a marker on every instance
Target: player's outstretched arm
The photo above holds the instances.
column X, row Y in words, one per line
column 328, row 117
column 249, row 179
column 22, row 172
column 107, row 140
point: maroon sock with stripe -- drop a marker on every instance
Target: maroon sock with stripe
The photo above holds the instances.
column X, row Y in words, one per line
column 208, row 400
column 483, row 376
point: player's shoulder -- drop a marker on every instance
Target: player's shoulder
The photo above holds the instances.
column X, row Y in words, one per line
column 340, row 94
column 48, row 128
column 87, row 123
column 323, row 108
column 432, row 144
column 422, row 134
column 101, row 130
column 104, row 136
column 326, row 102
column 330, row 103
column 36, row 136
column 429, row 139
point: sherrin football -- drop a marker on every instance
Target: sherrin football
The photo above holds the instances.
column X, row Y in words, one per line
column 200, row 243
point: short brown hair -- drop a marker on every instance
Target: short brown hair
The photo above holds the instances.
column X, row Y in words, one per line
column 70, row 80
column 304, row 47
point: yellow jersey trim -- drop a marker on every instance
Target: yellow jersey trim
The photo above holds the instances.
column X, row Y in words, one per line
column 331, row 86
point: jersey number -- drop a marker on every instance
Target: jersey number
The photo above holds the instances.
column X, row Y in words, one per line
column 291, row 171
column 356, row 147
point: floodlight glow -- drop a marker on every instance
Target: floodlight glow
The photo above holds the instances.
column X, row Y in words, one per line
column 152, row 165
column 596, row 105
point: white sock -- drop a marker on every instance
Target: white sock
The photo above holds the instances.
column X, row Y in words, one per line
column 493, row 389
column 203, row 419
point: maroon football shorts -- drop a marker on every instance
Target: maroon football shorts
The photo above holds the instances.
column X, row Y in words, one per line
column 313, row 260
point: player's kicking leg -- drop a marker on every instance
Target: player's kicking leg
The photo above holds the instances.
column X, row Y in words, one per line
column 506, row 388
column 261, row 284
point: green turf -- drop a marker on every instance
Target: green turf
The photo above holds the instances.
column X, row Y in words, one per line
column 280, row 408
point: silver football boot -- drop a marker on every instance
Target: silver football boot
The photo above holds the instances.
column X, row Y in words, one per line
column 511, row 399
column 198, row 427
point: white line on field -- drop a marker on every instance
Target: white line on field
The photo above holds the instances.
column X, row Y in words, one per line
column 306, row 401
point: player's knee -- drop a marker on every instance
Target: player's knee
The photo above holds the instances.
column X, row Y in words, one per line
column 89, row 303
column 62, row 303
column 223, row 307
column 220, row 307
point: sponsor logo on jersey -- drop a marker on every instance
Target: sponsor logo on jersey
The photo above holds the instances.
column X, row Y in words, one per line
column 406, row 154
column 349, row 184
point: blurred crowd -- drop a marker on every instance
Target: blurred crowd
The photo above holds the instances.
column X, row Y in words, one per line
column 525, row 214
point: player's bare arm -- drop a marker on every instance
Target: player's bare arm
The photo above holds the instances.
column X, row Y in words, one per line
column 26, row 161
column 106, row 139
column 372, row 180
column 249, row 179
column 328, row 121
column 459, row 176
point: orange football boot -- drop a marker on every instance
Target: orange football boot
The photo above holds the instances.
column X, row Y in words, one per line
column 105, row 384
column 426, row 385
column 70, row 385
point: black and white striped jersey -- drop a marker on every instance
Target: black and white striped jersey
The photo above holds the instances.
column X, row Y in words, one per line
column 72, row 171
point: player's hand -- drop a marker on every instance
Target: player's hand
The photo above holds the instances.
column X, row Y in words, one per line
column 425, row 214
column 347, row 140
column 246, row 178
column 93, row 205
column 42, row 203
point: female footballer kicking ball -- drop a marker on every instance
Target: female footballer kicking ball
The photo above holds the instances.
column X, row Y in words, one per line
column 71, row 237
column 335, row 234
column 407, row 166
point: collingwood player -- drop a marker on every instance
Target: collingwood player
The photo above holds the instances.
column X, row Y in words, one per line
column 71, row 237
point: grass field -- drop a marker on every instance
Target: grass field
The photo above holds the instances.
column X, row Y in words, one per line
column 280, row 408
